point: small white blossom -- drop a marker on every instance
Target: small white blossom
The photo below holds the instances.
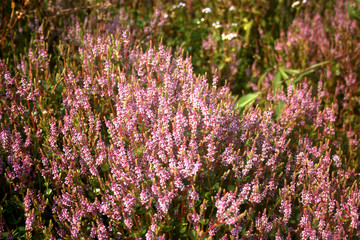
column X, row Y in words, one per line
column 232, row 8
column 180, row 5
column 216, row 25
column 228, row 36
column 296, row 3
column 200, row 21
column 206, row 10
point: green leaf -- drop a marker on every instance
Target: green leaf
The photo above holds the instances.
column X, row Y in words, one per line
column 204, row 221
column 247, row 99
column 183, row 229
column 207, row 196
column 353, row 12
column 231, row 187
column 193, row 234
column 317, row 65
column 277, row 81
column 48, row 191
column 295, row 79
column 222, row 64
column 279, row 108
column 283, row 74
column 291, row 71
column 167, row 228
column 216, row 186
column 105, row 167
column 247, row 29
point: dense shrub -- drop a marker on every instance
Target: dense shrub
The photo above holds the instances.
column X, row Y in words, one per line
column 118, row 137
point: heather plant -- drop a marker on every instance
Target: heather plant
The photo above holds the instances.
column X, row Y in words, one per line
column 221, row 37
column 91, row 172
column 333, row 49
column 116, row 137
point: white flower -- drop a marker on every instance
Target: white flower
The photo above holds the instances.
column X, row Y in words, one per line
column 228, row 36
column 180, row 5
column 234, row 24
column 217, row 25
column 295, row 4
column 206, row 10
column 200, row 21
column 166, row 16
column 232, row 8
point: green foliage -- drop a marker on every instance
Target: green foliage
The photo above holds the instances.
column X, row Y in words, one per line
column 247, row 100
column 353, row 12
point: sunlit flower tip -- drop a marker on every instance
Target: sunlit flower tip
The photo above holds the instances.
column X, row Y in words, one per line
column 206, row 10
column 336, row 160
column 232, row 8
column 166, row 15
column 295, row 4
column 234, row 24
